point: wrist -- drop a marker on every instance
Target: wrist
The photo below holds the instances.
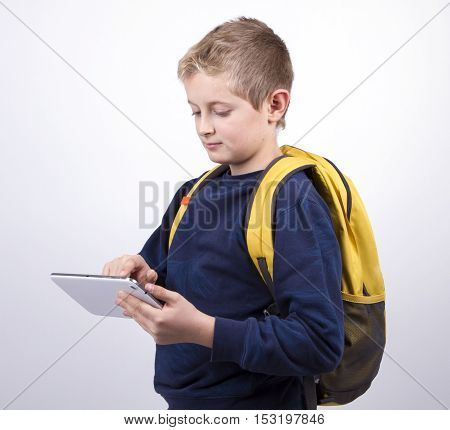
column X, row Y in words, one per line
column 204, row 330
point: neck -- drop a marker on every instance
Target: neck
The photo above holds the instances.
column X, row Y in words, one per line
column 258, row 161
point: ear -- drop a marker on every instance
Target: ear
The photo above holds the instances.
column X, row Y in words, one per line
column 278, row 102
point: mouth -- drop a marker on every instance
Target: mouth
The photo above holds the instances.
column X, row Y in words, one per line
column 212, row 144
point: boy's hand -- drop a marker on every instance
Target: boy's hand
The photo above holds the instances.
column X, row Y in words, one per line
column 133, row 266
column 179, row 321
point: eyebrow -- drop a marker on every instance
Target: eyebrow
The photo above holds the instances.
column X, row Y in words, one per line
column 214, row 102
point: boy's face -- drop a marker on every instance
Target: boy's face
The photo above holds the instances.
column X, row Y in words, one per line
column 232, row 121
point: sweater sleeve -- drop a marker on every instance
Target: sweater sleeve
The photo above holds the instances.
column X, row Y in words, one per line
column 308, row 337
column 155, row 249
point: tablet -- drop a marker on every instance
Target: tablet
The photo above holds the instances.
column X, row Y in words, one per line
column 98, row 293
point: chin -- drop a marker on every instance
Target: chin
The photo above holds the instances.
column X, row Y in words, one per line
column 217, row 158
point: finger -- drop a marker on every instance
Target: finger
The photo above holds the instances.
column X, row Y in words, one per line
column 113, row 268
column 161, row 292
column 139, row 315
column 105, row 271
column 129, row 309
column 128, row 267
column 143, row 273
column 118, row 264
column 152, row 276
column 133, row 305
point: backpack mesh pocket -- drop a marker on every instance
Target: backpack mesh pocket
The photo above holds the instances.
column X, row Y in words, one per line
column 365, row 339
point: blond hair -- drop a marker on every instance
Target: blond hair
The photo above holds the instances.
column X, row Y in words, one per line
column 254, row 59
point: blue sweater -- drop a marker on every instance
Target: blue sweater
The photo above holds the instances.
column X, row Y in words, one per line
column 255, row 362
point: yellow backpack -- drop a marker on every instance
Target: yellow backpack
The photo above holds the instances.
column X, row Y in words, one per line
column 362, row 286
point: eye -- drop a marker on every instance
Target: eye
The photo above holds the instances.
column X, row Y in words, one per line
column 217, row 113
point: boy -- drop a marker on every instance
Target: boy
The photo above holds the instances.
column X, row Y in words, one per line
column 214, row 347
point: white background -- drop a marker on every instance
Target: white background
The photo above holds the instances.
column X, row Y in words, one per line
column 71, row 165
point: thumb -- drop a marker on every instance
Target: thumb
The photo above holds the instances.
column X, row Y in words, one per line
column 160, row 292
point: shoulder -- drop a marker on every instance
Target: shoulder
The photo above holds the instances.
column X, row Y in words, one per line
column 184, row 188
column 187, row 185
column 294, row 189
column 298, row 191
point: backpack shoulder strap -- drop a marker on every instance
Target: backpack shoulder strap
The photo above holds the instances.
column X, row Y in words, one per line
column 259, row 217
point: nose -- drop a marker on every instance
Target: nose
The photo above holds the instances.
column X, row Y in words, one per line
column 205, row 127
